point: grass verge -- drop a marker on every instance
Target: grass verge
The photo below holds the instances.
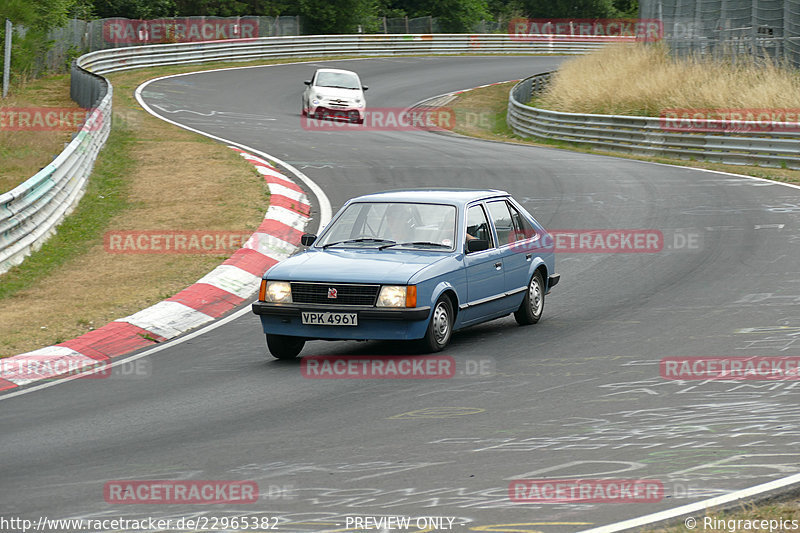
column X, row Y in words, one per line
column 149, row 176
column 643, row 80
column 482, row 112
column 23, row 153
column 766, row 518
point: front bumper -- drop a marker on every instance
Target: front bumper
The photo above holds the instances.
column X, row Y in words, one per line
column 341, row 113
column 372, row 313
column 373, row 323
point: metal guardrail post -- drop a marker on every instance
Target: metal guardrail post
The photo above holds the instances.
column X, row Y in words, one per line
column 7, row 56
column 647, row 136
column 30, row 212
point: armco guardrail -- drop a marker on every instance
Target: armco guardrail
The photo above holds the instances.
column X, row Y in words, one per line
column 104, row 61
column 645, row 135
column 30, row 212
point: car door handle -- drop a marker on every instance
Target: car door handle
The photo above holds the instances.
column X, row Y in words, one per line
column 498, row 265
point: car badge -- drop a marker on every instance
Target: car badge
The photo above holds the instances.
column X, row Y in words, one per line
column 332, row 293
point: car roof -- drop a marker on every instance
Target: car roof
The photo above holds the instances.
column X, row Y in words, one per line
column 433, row 195
column 336, row 70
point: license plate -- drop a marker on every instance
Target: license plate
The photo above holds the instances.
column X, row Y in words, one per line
column 330, row 319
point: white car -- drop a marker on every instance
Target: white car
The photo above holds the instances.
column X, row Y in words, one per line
column 334, row 93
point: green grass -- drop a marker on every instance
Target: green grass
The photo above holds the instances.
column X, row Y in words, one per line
column 494, row 101
column 105, row 197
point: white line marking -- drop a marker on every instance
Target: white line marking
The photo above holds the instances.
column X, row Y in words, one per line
column 325, row 216
column 123, row 360
column 699, row 507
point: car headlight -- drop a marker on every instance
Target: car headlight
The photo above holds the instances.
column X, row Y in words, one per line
column 315, row 101
column 279, row 292
column 397, row 296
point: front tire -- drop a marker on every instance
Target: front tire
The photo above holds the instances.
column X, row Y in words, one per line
column 440, row 327
column 532, row 306
column 284, row 346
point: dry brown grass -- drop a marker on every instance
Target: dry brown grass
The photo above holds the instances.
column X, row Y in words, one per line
column 644, row 79
column 24, row 153
column 180, row 181
column 493, row 102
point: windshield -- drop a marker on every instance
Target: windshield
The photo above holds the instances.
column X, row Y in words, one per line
column 343, row 80
column 396, row 225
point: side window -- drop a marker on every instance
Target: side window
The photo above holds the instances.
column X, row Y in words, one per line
column 478, row 225
column 502, row 222
column 522, row 228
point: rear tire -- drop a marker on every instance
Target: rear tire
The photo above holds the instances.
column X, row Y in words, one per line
column 440, row 326
column 532, row 306
column 284, row 346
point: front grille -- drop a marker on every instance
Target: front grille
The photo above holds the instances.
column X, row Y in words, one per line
column 346, row 293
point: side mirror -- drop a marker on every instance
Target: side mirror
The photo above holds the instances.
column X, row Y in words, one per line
column 477, row 245
column 364, row 87
column 308, row 239
column 307, row 82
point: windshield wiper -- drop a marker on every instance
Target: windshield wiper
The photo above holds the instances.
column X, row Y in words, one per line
column 368, row 239
column 341, row 87
column 415, row 243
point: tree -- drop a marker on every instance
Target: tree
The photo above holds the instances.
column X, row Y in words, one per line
column 37, row 16
column 576, row 9
column 135, row 9
column 339, row 16
column 453, row 16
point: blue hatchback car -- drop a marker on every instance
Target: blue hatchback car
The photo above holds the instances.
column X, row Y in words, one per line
column 409, row 265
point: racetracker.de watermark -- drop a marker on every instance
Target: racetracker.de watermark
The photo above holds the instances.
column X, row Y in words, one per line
column 177, row 30
column 179, row 491
column 378, row 367
column 647, row 30
column 396, row 367
column 747, row 120
column 48, row 119
column 785, row 368
column 618, row 241
column 586, row 491
column 382, row 119
column 49, row 367
column 211, row 242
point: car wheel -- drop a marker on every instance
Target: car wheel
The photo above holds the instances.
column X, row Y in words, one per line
column 284, row 346
column 532, row 306
column 440, row 327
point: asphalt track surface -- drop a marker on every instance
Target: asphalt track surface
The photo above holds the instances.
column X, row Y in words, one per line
column 577, row 395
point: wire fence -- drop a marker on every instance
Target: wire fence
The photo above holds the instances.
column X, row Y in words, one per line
column 79, row 37
column 730, row 29
column 400, row 25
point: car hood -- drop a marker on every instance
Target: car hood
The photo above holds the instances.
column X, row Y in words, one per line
column 354, row 266
column 333, row 92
